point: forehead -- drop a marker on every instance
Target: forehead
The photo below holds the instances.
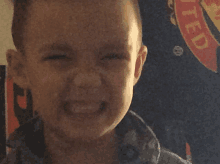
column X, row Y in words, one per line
column 82, row 22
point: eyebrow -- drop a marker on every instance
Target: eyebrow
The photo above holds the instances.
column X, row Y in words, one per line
column 55, row 46
column 116, row 46
column 66, row 47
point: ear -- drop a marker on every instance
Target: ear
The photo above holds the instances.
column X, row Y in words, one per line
column 141, row 58
column 17, row 68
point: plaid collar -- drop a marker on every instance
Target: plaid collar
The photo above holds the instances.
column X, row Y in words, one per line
column 138, row 143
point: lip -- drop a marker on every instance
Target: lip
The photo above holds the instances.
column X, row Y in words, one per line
column 85, row 102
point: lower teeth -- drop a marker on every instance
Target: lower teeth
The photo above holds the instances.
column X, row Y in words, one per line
column 102, row 106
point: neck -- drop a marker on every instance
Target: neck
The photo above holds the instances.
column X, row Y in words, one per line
column 101, row 150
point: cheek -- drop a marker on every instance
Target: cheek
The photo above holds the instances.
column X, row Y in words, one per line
column 45, row 90
column 123, row 87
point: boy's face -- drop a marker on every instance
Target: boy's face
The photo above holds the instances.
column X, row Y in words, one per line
column 69, row 48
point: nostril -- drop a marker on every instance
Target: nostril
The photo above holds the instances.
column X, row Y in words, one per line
column 65, row 106
column 103, row 105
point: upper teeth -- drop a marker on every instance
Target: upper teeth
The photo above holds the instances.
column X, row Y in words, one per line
column 79, row 108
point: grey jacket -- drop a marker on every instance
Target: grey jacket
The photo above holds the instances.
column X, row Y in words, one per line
column 138, row 144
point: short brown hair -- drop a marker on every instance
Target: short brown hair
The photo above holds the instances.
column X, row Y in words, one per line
column 20, row 17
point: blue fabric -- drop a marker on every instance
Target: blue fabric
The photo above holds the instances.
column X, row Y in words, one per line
column 28, row 140
column 138, row 143
column 181, row 93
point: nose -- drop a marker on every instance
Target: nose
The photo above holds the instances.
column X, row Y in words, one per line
column 87, row 79
column 87, row 73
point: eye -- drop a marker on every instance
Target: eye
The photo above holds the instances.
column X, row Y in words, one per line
column 114, row 56
column 56, row 57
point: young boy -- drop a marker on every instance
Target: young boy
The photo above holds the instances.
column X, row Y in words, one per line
column 81, row 59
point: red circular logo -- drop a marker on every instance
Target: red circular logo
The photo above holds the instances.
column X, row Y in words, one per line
column 195, row 31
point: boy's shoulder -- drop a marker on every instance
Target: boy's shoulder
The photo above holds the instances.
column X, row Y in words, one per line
column 160, row 154
column 168, row 157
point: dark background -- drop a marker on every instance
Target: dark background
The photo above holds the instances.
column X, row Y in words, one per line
column 177, row 94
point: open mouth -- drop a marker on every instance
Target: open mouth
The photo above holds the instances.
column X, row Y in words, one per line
column 76, row 108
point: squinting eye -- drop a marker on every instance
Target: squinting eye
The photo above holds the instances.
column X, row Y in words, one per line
column 57, row 57
column 114, row 56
